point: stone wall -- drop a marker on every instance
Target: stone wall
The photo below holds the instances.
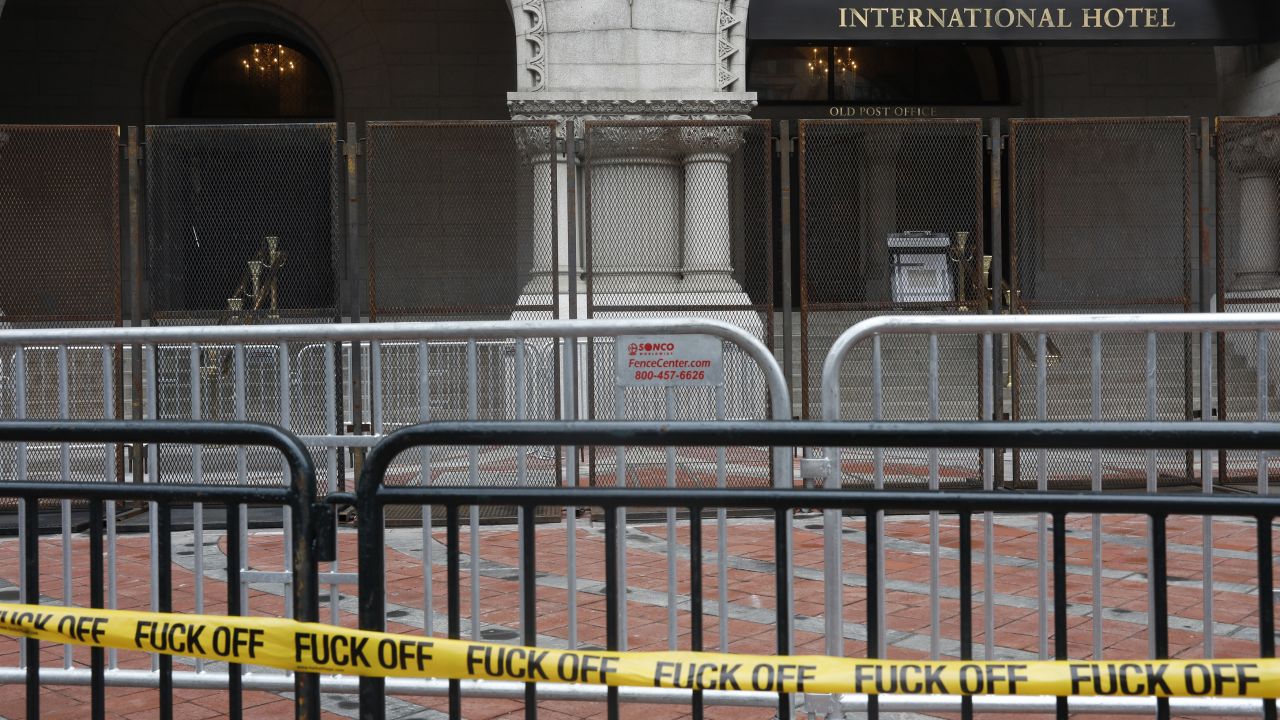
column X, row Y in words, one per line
column 1112, row 82
column 1250, row 80
column 89, row 61
column 665, row 46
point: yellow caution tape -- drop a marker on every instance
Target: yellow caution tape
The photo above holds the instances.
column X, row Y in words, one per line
column 312, row 647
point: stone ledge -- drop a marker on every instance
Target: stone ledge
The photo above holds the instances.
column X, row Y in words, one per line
column 616, row 105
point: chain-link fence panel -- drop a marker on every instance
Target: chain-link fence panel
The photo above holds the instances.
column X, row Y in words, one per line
column 242, row 223
column 242, row 228
column 455, row 380
column 60, row 225
column 1248, row 228
column 1100, row 220
column 892, row 221
column 49, row 382
column 679, row 223
column 462, row 220
column 226, row 383
column 462, row 226
column 60, row 234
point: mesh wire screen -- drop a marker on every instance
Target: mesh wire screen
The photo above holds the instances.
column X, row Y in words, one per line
column 211, row 373
column 60, row 225
column 242, row 228
column 462, row 220
column 1100, row 221
column 219, row 198
column 1248, row 228
column 78, row 382
column 490, row 379
column 60, row 230
column 1100, row 213
column 679, row 217
column 462, row 226
column 891, row 221
column 679, row 223
column 1248, row 210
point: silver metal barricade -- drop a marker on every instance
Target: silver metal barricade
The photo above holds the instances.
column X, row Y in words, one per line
column 299, row 377
column 1141, row 332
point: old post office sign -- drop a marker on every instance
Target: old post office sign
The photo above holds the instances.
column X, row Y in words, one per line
column 1013, row 21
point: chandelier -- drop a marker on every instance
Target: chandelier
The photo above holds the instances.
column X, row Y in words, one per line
column 842, row 58
column 264, row 57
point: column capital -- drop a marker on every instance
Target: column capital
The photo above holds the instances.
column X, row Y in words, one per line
column 536, row 142
column 635, row 142
column 1255, row 151
column 719, row 140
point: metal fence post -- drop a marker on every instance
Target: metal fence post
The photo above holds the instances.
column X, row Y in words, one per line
column 352, row 151
column 571, row 262
column 133, row 155
column 996, row 279
column 784, row 167
column 1207, row 289
column 570, row 345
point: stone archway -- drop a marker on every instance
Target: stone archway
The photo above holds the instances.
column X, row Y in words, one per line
column 192, row 38
column 224, row 197
column 530, row 23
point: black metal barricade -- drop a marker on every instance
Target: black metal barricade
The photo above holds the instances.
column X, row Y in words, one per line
column 298, row 493
column 373, row 496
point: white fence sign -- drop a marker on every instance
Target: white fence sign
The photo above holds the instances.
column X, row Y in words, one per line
column 669, row 360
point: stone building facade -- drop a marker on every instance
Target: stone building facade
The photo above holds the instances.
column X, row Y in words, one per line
column 1110, row 214
column 125, row 62
column 148, row 63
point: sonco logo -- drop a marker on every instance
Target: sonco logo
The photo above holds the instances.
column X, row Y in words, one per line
column 649, row 348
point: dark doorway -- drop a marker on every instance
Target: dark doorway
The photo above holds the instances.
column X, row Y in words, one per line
column 943, row 75
column 242, row 188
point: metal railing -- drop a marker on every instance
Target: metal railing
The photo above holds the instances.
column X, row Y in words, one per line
column 375, row 496
column 988, row 331
column 295, row 492
column 289, row 375
column 185, row 370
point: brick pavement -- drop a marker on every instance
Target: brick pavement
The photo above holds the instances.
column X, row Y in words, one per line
column 748, row 587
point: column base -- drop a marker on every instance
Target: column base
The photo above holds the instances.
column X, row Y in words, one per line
column 1258, row 284
column 1244, row 344
column 748, row 318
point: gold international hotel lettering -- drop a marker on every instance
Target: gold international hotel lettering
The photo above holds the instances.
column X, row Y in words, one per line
column 1099, row 18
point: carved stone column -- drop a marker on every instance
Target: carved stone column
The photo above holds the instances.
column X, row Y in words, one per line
column 636, row 185
column 1256, row 158
column 546, row 159
column 706, row 250
column 660, row 229
column 879, row 216
column 635, row 207
column 637, row 195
